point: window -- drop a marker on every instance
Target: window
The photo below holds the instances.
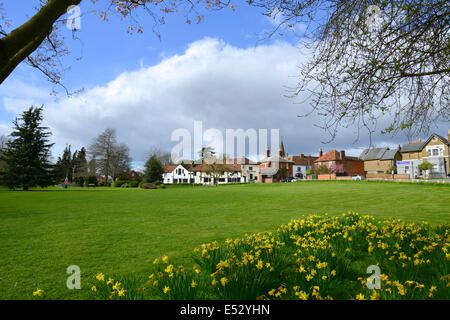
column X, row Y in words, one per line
column 250, row 168
column 435, row 152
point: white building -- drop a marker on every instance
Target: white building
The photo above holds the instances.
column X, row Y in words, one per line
column 201, row 174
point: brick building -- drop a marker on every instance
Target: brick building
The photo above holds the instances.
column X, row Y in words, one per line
column 339, row 163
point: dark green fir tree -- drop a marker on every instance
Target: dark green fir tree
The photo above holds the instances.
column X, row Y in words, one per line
column 27, row 153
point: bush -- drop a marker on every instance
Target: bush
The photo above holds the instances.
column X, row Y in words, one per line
column 119, row 183
column 162, row 186
column 124, row 185
column 133, row 183
column 141, row 183
column 148, row 186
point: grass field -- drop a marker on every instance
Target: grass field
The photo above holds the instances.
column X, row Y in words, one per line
column 121, row 231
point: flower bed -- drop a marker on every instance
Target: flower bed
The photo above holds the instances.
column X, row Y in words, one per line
column 315, row 257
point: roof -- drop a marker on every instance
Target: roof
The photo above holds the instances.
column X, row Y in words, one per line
column 389, row 154
column 271, row 171
column 437, row 136
column 373, row 154
column 412, row 146
column 169, row 168
column 276, row 159
column 334, row 155
column 303, row 160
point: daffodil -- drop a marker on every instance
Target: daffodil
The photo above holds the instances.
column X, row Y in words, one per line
column 223, row 281
column 38, row 292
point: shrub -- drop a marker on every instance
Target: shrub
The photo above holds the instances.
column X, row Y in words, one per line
column 133, row 183
column 141, row 183
column 119, row 183
column 162, row 186
column 148, row 186
column 124, row 185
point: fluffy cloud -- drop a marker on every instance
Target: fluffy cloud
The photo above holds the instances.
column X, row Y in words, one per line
column 221, row 85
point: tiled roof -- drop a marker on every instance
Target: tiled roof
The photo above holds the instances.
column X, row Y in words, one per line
column 334, row 155
column 303, row 161
column 373, row 154
column 169, row 168
column 412, row 147
column 389, row 155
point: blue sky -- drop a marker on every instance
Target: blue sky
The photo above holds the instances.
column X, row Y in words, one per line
column 215, row 71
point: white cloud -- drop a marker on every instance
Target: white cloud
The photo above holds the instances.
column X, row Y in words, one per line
column 222, row 85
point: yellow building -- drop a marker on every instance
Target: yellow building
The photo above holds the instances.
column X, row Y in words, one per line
column 379, row 160
column 434, row 150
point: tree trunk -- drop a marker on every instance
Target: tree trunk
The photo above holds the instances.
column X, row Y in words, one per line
column 24, row 40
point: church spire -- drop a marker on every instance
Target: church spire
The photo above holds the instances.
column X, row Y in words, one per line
column 281, row 152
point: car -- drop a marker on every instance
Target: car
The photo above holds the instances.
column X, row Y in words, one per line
column 358, row 177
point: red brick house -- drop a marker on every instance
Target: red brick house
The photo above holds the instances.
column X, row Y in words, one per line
column 337, row 162
column 275, row 168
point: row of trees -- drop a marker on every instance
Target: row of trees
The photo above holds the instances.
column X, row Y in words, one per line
column 25, row 157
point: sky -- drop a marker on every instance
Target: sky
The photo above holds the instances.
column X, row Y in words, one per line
column 218, row 72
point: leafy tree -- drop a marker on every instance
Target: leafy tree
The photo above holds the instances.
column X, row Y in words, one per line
column 425, row 166
column 27, row 153
column 371, row 60
column 153, row 170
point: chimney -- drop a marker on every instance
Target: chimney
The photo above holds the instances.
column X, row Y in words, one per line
column 280, row 153
column 320, row 152
column 302, row 156
column 243, row 160
column 342, row 154
column 399, row 147
column 448, row 134
column 267, row 152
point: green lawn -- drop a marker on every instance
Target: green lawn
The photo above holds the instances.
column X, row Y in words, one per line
column 121, row 231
